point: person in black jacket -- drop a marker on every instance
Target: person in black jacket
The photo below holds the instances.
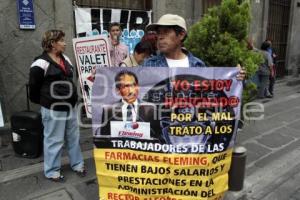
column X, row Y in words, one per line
column 51, row 86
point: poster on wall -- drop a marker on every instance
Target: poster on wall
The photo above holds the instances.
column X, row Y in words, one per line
column 95, row 21
column 167, row 135
column 26, row 14
column 90, row 53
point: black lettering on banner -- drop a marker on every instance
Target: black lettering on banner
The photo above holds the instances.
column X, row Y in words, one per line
column 95, row 17
column 196, row 172
column 155, row 170
column 219, row 158
column 209, row 193
column 134, row 18
column 124, row 18
column 222, row 167
column 209, row 182
column 197, row 183
column 106, row 18
column 152, row 181
column 138, row 19
column 122, row 167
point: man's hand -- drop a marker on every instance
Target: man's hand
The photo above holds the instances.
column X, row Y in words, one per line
column 242, row 73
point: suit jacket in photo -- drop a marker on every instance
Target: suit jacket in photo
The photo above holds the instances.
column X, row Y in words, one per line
column 146, row 113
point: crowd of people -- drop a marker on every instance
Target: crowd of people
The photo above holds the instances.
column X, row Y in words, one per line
column 266, row 73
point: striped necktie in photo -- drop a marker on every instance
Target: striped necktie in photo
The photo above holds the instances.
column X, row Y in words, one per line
column 129, row 112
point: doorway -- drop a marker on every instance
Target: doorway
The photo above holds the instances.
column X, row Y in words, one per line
column 277, row 31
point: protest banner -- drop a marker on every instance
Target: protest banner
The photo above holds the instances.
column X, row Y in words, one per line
column 90, row 53
column 95, row 21
column 176, row 144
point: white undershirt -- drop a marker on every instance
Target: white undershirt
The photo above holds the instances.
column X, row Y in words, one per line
column 178, row 63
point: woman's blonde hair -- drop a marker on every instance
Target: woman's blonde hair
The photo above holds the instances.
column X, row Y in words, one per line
column 51, row 36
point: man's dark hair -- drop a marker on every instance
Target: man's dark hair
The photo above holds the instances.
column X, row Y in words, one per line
column 144, row 47
column 178, row 30
column 114, row 24
column 265, row 45
column 122, row 73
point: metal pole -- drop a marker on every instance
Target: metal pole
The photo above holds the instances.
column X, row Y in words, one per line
column 237, row 169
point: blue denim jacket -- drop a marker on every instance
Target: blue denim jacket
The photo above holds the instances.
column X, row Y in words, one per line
column 160, row 61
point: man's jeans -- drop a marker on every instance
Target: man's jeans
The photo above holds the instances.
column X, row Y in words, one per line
column 60, row 127
column 263, row 85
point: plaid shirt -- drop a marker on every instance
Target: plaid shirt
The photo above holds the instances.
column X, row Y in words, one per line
column 160, row 61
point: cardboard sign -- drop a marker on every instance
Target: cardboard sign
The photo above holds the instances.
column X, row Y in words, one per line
column 91, row 53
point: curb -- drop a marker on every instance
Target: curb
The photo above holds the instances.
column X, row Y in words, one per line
column 293, row 82
column 4, row 135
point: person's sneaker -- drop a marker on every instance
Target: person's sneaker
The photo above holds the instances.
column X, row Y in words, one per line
column 59, row 179
column 269, row 96
column 81, row 173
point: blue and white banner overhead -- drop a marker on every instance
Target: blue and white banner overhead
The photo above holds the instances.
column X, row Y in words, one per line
column 26, row 14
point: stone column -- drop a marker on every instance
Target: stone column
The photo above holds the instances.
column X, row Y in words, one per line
column 64, row 20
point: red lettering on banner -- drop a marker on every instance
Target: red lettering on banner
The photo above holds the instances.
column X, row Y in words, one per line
column 202, row 85
column 116, row 196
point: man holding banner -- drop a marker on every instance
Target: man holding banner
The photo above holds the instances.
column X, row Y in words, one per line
column 171, row 33
column 198, row 111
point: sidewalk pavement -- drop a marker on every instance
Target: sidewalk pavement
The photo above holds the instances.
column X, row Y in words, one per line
column 273, row 149
column 22, row 178
column 272, row 171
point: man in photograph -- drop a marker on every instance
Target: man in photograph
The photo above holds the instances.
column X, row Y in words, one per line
column 129, row 109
